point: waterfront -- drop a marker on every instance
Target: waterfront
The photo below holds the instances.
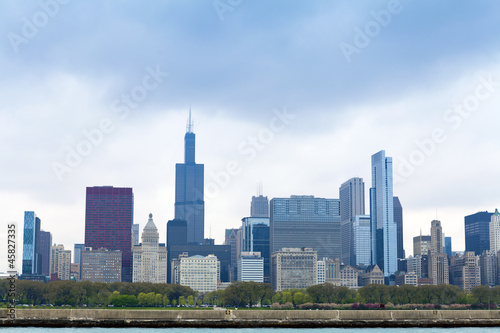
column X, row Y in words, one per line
column 256, row 330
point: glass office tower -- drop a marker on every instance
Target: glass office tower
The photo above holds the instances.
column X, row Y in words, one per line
column 189, row 182
column 306, row 221
column 109, row 215
column 384, row 229
column 31, row 253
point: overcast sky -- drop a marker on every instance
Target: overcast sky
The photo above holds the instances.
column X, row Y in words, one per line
column 295, row 94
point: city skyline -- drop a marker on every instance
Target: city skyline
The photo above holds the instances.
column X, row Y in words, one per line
column 282, row 104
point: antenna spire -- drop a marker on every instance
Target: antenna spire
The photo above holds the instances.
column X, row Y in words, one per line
column 189, row 127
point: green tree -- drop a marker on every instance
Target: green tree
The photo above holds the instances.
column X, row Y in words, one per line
column 142, row 299
column 182, row 301
column 298, row 298
column 481, row 294
column 190, row 300
column 276, row 298
column 166, row 301
column 286, row 297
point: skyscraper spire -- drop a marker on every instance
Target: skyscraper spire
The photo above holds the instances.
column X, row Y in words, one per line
column 189, row 127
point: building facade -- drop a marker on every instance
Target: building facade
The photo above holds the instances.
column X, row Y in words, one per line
column 384, row 229
column 189, row 190
column 398, row 219
column 135, row 234
column 349, row 277
column 231, row 240
column 200, row 273
column 372, row 275
column 101, row 265
column 250, row 267
column 255, row 238
column 44, row 250
column 150, row 257
column 77, row 256
column 32, row 261
column 176, row 232
column 306, row 221
column 495, row 232
column 294, row 268
column 332, row 271
column 321, row 269
column 421, row 245
column 60, row 262
column 477, row 232
column 489, row 268
column 108, row 223
column 222, row 252
column 362, row 240
column 447, row 246
column 352, row 203
column 465, row 271
column 259, row 206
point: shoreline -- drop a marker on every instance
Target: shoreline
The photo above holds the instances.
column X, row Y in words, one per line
column 250, row 318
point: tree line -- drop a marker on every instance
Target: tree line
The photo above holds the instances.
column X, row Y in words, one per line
column 95, row 293
column 238, row 294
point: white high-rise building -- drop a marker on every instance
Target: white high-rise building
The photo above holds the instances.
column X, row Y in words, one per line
column 321, row 271
column 294, row 268
column 495, row 232
column 251, row 267
column 200, row 273
column 60, row 262
column 150, row 257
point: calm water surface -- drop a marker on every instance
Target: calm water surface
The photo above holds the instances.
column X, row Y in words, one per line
column 248, row 330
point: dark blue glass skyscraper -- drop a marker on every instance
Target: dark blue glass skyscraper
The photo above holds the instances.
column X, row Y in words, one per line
column 31, row 242
column 477, row 232
column 189, row 199
column 383, row 227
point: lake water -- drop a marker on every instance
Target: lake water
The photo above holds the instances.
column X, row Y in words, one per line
column 248, row 330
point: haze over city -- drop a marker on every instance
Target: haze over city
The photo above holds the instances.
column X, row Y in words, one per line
column 296, row 96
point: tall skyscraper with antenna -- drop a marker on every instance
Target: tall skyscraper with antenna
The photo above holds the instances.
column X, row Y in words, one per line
column 189, row 198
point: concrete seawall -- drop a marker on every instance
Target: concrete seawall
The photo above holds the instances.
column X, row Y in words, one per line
column 249, row 318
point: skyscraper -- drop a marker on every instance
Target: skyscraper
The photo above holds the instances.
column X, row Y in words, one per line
column 438, row 261
column 77, row 257
column 31, row 252
column 398, row 219
column 230, row 239
column 135, row 234
column 447, row 246
column 189, row 181
column 421, row 244
column 352, row 203
column 362, row 240
column 176, row 232
column 495, row 232
column 255, row 238
column 477, row 232
column 294, row 268
column 259, row 206
column 306, row 221
column 384, row 229
column 60, row 262
column 44, row 247
column 150, row 257
column 108, row 222
column 436, row 237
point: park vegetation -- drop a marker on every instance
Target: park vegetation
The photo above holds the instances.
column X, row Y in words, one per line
column 250, row 295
